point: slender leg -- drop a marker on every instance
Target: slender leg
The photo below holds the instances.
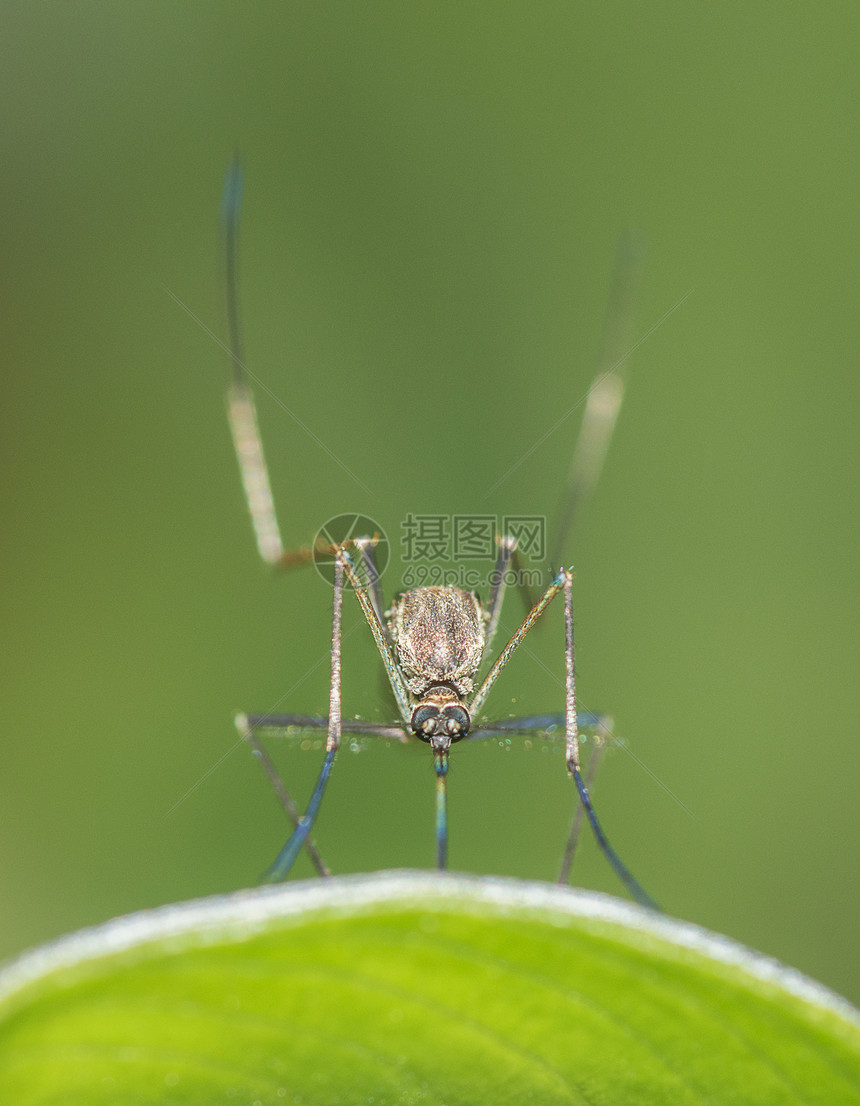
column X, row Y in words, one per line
column 498, row 584
column 477, row 700
column 380, row 636
column 572, row 756
column 284, row 861
column 249, row 724
column 605, row 394
column 365, row 547
column 247, row 731
column 320, row 722
column 576, row 822
column 507, row 557
column 542, row 724
column 529, row 723
column 241, row 410
column 564, row 582
column 525, row 589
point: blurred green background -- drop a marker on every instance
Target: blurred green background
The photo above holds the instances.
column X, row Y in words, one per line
column 433, row 195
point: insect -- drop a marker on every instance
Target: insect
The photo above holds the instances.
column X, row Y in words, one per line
column 434, row 641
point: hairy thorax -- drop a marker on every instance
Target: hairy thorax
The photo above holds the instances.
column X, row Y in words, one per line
column 438, row 633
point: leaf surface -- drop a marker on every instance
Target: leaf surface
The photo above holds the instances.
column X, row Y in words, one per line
column 416, row 988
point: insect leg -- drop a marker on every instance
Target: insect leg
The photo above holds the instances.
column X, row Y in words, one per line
column 365, row 547
column 599, row 748
column 498, row 584
column 543, row 725
column 564, row 582
column 477, row 700
column 320, row 722
column 605, row 393
column 284, row 861
column 380, row 635
column 531, row 723
column 246, row 728
column 241, row 409
column 572, row 755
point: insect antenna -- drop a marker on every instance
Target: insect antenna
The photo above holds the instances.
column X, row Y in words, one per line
column 441, row 758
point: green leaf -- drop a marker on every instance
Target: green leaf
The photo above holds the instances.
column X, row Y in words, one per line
column 416, row 988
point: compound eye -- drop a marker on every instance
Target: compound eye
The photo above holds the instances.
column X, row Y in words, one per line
column 425, row 722
column 456, row 722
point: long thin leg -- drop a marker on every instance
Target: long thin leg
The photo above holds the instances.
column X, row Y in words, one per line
column 278, row 786
column 477, row 700
column 530, row 723
column 572, row 755
column 605, row 394
column 542, row 723
column 507, row 557
column 498, row 584
column 320, row 722
column 365, row 547
column 564, row 582
column 380, row 635
column 241, row 409
column 284, row 861
column 576, row 822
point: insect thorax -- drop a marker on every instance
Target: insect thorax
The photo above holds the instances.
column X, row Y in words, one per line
column 438, row 633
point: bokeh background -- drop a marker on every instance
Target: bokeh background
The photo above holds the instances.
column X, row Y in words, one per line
column 433, row 195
